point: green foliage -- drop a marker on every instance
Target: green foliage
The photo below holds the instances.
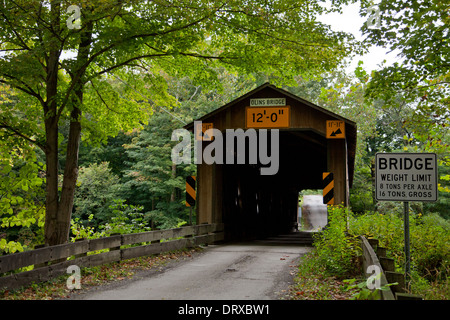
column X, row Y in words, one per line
column 419, row 31
column 429, row 238
column 21, row 197
column 80, row 231
column 337, row 250
column 97, row 189
column 363, row 292
column 112, row 152
column 361, row 197
column 387, row 228
column 111, row 74
column 125, row 219
column 10, row 247
column 313, row 282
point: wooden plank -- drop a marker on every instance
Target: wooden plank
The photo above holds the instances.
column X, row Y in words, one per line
column 205, row 187
column 174, row 245
column 104, row 257
column 220, row 236
column 407, row 296
column 105, row 243
column 43, row 255
column 38, row 256
column 141, row 251
column 370, row 258
column 381, row 252
column 133, row 238
column 392, row 277
column 373, row 242
column 218, row 227
column 204, row 239
column 66, row 250
column 60, row 268
column 155, row 248
column 388, row 264
column 336, row 162
column 166, row 234
column 183, row 232
column 24, row 259
column 155, row 235
column 18, row 280
column 203, row 229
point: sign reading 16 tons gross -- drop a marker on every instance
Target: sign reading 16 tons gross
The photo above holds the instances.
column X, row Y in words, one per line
column 406, row 177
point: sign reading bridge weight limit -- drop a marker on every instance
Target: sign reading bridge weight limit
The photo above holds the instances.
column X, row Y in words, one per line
column 406, row 177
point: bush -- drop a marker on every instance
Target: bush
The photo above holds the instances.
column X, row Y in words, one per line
column 126, row 219
column 96, row 192
column 387, row 228
column 336, row 250
column 429, row 239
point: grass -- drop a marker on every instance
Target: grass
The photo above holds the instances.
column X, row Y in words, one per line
column 312, row 282
column 95, row 276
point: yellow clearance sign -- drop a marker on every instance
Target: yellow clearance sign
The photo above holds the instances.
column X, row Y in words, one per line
column 335, row 129
column 267, row 117
column 201, row 132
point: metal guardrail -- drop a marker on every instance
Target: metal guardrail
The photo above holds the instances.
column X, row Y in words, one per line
column 373, row 254
column 52, row 261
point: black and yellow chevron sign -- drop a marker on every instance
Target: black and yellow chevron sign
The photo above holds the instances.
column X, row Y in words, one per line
column 190, row 191
column 328, row 188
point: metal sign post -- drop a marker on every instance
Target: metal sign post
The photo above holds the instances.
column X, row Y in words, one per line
column 406, row 231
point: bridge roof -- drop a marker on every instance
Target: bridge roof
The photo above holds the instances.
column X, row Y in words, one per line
column 268, row 90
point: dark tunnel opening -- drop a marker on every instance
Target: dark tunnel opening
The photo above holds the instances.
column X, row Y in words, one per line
column 256, row 206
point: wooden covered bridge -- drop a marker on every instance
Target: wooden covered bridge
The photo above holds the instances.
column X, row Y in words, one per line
column 311, row 141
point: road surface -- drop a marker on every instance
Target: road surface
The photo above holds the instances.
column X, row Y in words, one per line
column 255, row 270
column 314, row 213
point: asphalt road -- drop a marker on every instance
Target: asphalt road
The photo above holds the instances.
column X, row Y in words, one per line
column 314, row 212
column 255, row 270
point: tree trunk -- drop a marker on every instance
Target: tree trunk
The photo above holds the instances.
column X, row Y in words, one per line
column 51, row 132
column 174, row 174
column 70, row 177
column 59, row 211
column 51, row 200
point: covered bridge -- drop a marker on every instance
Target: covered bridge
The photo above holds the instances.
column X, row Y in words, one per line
column 311, row 141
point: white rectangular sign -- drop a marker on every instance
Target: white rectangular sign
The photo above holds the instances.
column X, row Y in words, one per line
column 268, row 102
column 406, row 177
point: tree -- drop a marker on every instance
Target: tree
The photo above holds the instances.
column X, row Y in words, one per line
column 69, row 65
column 415, row 91
column 421, row 80
column 96, row 192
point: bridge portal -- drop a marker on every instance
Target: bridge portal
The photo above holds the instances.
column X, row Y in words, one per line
column 257, row 198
